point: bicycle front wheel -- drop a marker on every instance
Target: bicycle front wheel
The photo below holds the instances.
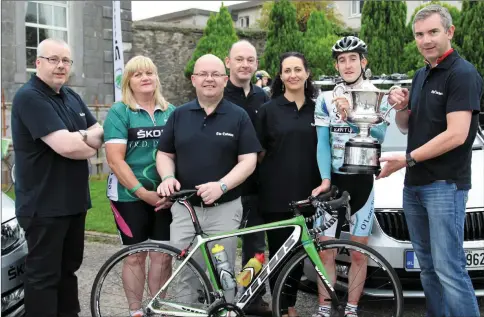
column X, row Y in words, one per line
column 130, row 279
column 375, row 287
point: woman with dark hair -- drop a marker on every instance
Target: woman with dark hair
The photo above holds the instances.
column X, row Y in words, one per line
column 288, row 166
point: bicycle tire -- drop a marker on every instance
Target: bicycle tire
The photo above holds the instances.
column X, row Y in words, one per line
column 143, row 247
column 12, row 173
column 9, row 181
column 301, row 255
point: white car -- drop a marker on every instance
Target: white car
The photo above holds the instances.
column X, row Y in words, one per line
column 14, row 250
column 390, row 235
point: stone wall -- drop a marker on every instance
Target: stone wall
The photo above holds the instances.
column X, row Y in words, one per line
column 171, row 46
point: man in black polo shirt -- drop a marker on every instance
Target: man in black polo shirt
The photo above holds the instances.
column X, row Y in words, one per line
column 49, row 123
column 209, row 144
column 441, row 117
column 242, row 62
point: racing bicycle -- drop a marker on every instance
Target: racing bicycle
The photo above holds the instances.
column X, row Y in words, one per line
column 206, row 297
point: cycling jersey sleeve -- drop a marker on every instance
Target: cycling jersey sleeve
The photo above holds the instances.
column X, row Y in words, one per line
column 116, row 125
column 324, row 152
column 321, row 114
column 378, row 132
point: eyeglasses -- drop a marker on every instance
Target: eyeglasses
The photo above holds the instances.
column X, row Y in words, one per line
column 213, row 75
column 56, row 60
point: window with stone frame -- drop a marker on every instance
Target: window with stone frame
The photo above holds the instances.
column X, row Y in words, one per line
column 43, row 19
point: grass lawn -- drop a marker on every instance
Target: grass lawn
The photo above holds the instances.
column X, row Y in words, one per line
column 99, row 217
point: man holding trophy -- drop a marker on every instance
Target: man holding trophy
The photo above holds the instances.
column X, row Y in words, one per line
column 348, row 152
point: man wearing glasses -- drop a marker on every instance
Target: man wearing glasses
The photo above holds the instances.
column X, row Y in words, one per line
column 209, row 144
column 54, row 134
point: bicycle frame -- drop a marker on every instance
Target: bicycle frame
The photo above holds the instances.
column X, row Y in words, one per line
column 300, row 233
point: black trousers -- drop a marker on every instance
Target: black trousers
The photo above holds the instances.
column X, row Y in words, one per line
column 56, row 247
column 255, row 242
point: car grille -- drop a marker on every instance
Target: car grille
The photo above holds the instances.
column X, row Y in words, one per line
column 393, row 223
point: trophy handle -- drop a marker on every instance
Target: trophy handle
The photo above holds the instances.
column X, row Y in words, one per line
column 385, row 115
column 339, row 91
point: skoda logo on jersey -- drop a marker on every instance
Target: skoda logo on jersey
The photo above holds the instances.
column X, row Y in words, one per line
column 148, row 134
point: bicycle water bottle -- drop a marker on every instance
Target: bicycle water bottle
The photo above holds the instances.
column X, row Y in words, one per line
column 224, row 268
column 250, row 270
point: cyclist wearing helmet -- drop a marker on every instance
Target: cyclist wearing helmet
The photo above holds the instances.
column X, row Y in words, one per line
column 333, row 132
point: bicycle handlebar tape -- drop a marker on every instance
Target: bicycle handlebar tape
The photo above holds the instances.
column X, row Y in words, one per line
column 340, row 202
column 328, row 195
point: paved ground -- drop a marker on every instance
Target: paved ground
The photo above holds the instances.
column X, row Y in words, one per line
column 97, row 253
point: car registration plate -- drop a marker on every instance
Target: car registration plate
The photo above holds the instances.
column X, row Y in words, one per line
column 474, row 259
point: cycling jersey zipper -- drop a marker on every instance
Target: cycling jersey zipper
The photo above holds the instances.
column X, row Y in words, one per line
column 152, row 118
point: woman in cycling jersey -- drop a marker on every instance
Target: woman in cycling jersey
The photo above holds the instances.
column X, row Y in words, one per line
column 333, row 132
column 131, row 132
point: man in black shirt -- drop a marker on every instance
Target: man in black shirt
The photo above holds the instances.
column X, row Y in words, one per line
column 441, row 117
column 53, row 134
column 242, row 62
column 211, row 145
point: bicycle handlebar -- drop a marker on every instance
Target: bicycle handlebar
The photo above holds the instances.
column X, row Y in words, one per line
column 337, row 203
column 324, row 197
column 182, row 194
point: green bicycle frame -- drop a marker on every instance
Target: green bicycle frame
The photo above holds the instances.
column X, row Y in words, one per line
column 300, row 233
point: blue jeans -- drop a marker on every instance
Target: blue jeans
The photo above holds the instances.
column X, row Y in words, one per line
column 435, row 216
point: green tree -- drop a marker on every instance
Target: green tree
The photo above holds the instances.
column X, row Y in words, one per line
column 303, row 12
column 218, row 36
column 382, row 23
column 283, row 35
column 318, row 40
column 473, row 40
column 464, row 21
column 454, row 13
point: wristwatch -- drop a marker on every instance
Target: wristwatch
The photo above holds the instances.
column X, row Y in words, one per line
column 223, row 187
column 84, row 135
column 410, row 160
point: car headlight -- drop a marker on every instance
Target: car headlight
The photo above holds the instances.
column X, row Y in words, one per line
column 12, row 235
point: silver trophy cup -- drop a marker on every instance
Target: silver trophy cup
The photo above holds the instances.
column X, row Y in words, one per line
column 362, row 152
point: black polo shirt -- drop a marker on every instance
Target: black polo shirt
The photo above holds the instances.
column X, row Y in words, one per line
column 48, row 184
column 251, row 104
column 289, row 170
column 206, row 148
column 453, row 85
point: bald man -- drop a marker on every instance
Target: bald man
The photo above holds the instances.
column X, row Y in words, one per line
column 242, row 63
column 54, row 134
column 207, row 144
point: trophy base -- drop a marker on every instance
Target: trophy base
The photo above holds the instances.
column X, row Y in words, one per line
column 360, row 169
column 361, row 157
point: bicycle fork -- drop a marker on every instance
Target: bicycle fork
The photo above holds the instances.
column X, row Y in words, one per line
column 310, row 247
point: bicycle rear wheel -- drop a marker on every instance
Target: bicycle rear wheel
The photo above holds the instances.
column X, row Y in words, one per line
column 378, row 292
column 110, row 291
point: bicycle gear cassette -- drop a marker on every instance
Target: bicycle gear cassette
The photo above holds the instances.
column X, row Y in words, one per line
column 226, row 310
